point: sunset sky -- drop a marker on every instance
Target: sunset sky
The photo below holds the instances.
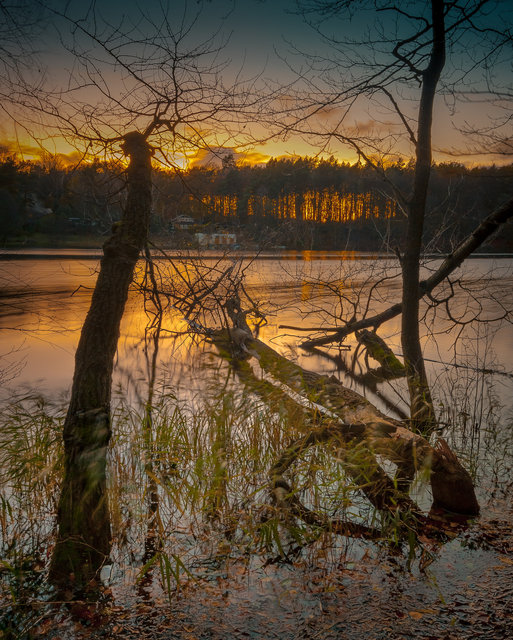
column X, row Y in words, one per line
column 267, row 43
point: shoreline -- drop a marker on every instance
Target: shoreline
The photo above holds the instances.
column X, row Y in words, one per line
column 176, row 254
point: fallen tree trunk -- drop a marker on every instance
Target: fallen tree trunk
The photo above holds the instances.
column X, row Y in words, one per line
column 361, row 466
column 486, row 229
column 368, row 380
column 391, row 367
column 285, row 497
column 451, row 484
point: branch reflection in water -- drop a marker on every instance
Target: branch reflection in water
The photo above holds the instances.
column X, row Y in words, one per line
column 189, row 462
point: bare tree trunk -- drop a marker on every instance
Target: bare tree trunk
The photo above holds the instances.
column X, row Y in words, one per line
column 421, row 404
column 83, row 517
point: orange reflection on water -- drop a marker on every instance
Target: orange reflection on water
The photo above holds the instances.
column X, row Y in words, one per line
column 43, row 309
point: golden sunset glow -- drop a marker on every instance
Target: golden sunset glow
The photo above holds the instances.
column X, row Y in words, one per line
column 256, row 319
column 312, row 206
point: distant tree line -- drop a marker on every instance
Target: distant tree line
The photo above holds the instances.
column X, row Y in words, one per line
column 299, row 203
column 48, row 197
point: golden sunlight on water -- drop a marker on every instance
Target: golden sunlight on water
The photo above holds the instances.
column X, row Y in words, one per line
column 44, row 303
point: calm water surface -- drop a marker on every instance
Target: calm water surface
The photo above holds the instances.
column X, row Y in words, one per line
column 43, row 303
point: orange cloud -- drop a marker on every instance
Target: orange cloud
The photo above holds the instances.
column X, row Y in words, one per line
column 31, row 152
column 214, row 157
column 252, row 158
column 18, row 150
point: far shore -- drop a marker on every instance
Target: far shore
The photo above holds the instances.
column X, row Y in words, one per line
column 96, row 253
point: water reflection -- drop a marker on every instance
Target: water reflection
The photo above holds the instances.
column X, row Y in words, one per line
column 44, row 304
column 204, row 475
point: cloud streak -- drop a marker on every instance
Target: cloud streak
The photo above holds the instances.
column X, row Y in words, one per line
column 27, row 151
column 214, row 157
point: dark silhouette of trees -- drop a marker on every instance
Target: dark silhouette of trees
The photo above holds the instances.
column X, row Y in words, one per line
column 88, row 199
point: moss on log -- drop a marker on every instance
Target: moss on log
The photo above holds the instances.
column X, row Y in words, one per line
column 451, row 484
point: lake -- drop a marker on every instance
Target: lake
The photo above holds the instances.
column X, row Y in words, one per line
column 45, row 296
column 331, row 583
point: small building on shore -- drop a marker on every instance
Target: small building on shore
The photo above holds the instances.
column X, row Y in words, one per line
column 183, row 223
column 219, row 239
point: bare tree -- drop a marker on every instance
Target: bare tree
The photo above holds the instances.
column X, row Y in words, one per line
column 19, row 24
column 141, row 84
column 397, row 63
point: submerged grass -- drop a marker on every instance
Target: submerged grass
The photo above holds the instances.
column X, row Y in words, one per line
column 189, row 498
column 203, row 471
column 186, row 486
column 30, row 471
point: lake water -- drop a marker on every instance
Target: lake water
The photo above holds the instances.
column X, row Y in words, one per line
column 333, row 584
column 44, row 302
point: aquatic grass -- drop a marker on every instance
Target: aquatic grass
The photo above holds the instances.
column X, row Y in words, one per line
column 189, row 492
column 205, row 471
column 191, row 449
column 30, row 474
column 30, row 470
column 201, row 477
column 30, row 442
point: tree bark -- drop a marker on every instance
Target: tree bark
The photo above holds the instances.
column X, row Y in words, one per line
column 421, row 404
column 84, row 535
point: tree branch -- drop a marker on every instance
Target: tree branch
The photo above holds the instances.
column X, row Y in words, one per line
column 484, row 231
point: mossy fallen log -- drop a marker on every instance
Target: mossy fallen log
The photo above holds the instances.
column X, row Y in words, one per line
column 307, row 421
column 377, row 348
column 451, row 484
